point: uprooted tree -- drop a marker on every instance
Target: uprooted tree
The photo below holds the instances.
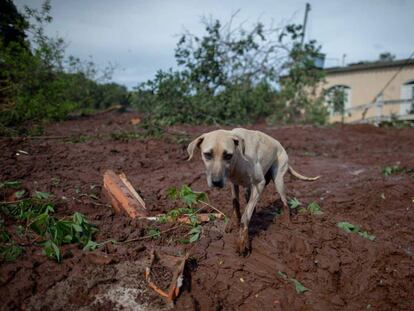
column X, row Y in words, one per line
column 232, row 75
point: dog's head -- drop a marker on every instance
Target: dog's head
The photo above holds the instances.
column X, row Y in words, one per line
column 219, row 149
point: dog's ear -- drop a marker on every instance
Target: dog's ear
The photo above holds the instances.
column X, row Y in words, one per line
column 239, row 142
column 194, row 144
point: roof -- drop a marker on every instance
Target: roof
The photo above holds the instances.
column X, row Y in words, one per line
column 371, row 65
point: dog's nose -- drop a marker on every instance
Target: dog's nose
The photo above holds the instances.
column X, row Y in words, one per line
column 218, row 183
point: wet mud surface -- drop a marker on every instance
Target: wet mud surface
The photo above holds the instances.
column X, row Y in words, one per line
column 343, row 271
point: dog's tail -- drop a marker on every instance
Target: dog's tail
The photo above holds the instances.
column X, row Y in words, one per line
column 299, row 176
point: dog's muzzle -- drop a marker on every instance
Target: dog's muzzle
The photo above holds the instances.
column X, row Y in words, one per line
column 218, row 183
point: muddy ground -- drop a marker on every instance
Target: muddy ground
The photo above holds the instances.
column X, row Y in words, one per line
column 343, row 271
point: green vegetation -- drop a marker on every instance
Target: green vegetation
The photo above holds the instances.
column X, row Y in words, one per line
column 34, row 219
column 312, row 208
column 228, row 76
column 186, row 195
column 294, row 203
column 232, row 76
column 189, row 198
column 390, row 170
column 336, row 98
column 38, row 81
column 348, row 227
column 300, row 289
column 153, row 233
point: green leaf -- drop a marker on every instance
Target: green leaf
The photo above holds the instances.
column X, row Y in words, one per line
column 77, row 228
column 20, row 194
column 162, row 218
column 189, row 199
column 294, row 203
column 50, row 249
column 4, row 236
column 91, row 246
column 172, row 193
column 11, row 252
column 78, row 218
column 347, row 226
column 282, row 275
column 42, row 195
column 10, row 184
column 366, row 235
column 195, row 234
column 314, row 209
column 300, row 289
column 389, row 170
column 211, row 217
column 153, row 233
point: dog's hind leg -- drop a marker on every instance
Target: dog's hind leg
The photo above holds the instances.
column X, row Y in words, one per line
column 235, row 218
column 280, row 187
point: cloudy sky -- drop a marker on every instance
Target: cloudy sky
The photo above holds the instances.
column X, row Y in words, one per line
column 140, row 35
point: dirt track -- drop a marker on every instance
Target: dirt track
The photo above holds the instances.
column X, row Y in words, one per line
column 342, row 270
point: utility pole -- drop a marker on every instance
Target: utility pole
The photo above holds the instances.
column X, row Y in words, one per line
column 305, row 21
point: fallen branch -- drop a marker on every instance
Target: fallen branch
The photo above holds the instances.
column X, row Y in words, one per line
column 186, row 219
column 214, row 208
column 149, row 236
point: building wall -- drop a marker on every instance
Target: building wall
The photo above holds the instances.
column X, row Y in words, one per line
column 365, row 86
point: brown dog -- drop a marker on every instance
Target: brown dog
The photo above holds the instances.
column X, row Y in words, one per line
column 250, row 159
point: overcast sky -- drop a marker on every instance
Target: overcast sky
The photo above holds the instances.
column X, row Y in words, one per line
column 140, row 35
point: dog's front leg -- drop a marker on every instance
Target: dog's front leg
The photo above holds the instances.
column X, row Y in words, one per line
column 243, row 244
column 234, row 222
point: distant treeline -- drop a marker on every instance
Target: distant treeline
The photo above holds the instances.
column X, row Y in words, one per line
column 37, row 80
column 230, row 75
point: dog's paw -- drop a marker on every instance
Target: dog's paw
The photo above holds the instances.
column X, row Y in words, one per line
column 243, row 243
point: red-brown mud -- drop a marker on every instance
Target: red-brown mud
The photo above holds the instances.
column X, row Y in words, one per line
column 343, row 271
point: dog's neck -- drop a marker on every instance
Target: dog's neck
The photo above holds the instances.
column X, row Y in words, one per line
column 239, row 169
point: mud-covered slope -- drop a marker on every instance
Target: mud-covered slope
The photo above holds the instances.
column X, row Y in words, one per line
column 341, row 270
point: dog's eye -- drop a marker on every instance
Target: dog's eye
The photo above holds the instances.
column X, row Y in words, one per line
column 227, row 156
column 208, row 155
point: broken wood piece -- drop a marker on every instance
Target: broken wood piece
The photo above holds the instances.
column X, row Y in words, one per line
column 131, row 188
column 174, row 263
column 121, row 197
column 187, row 219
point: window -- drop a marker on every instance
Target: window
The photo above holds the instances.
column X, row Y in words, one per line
column 407, row 95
